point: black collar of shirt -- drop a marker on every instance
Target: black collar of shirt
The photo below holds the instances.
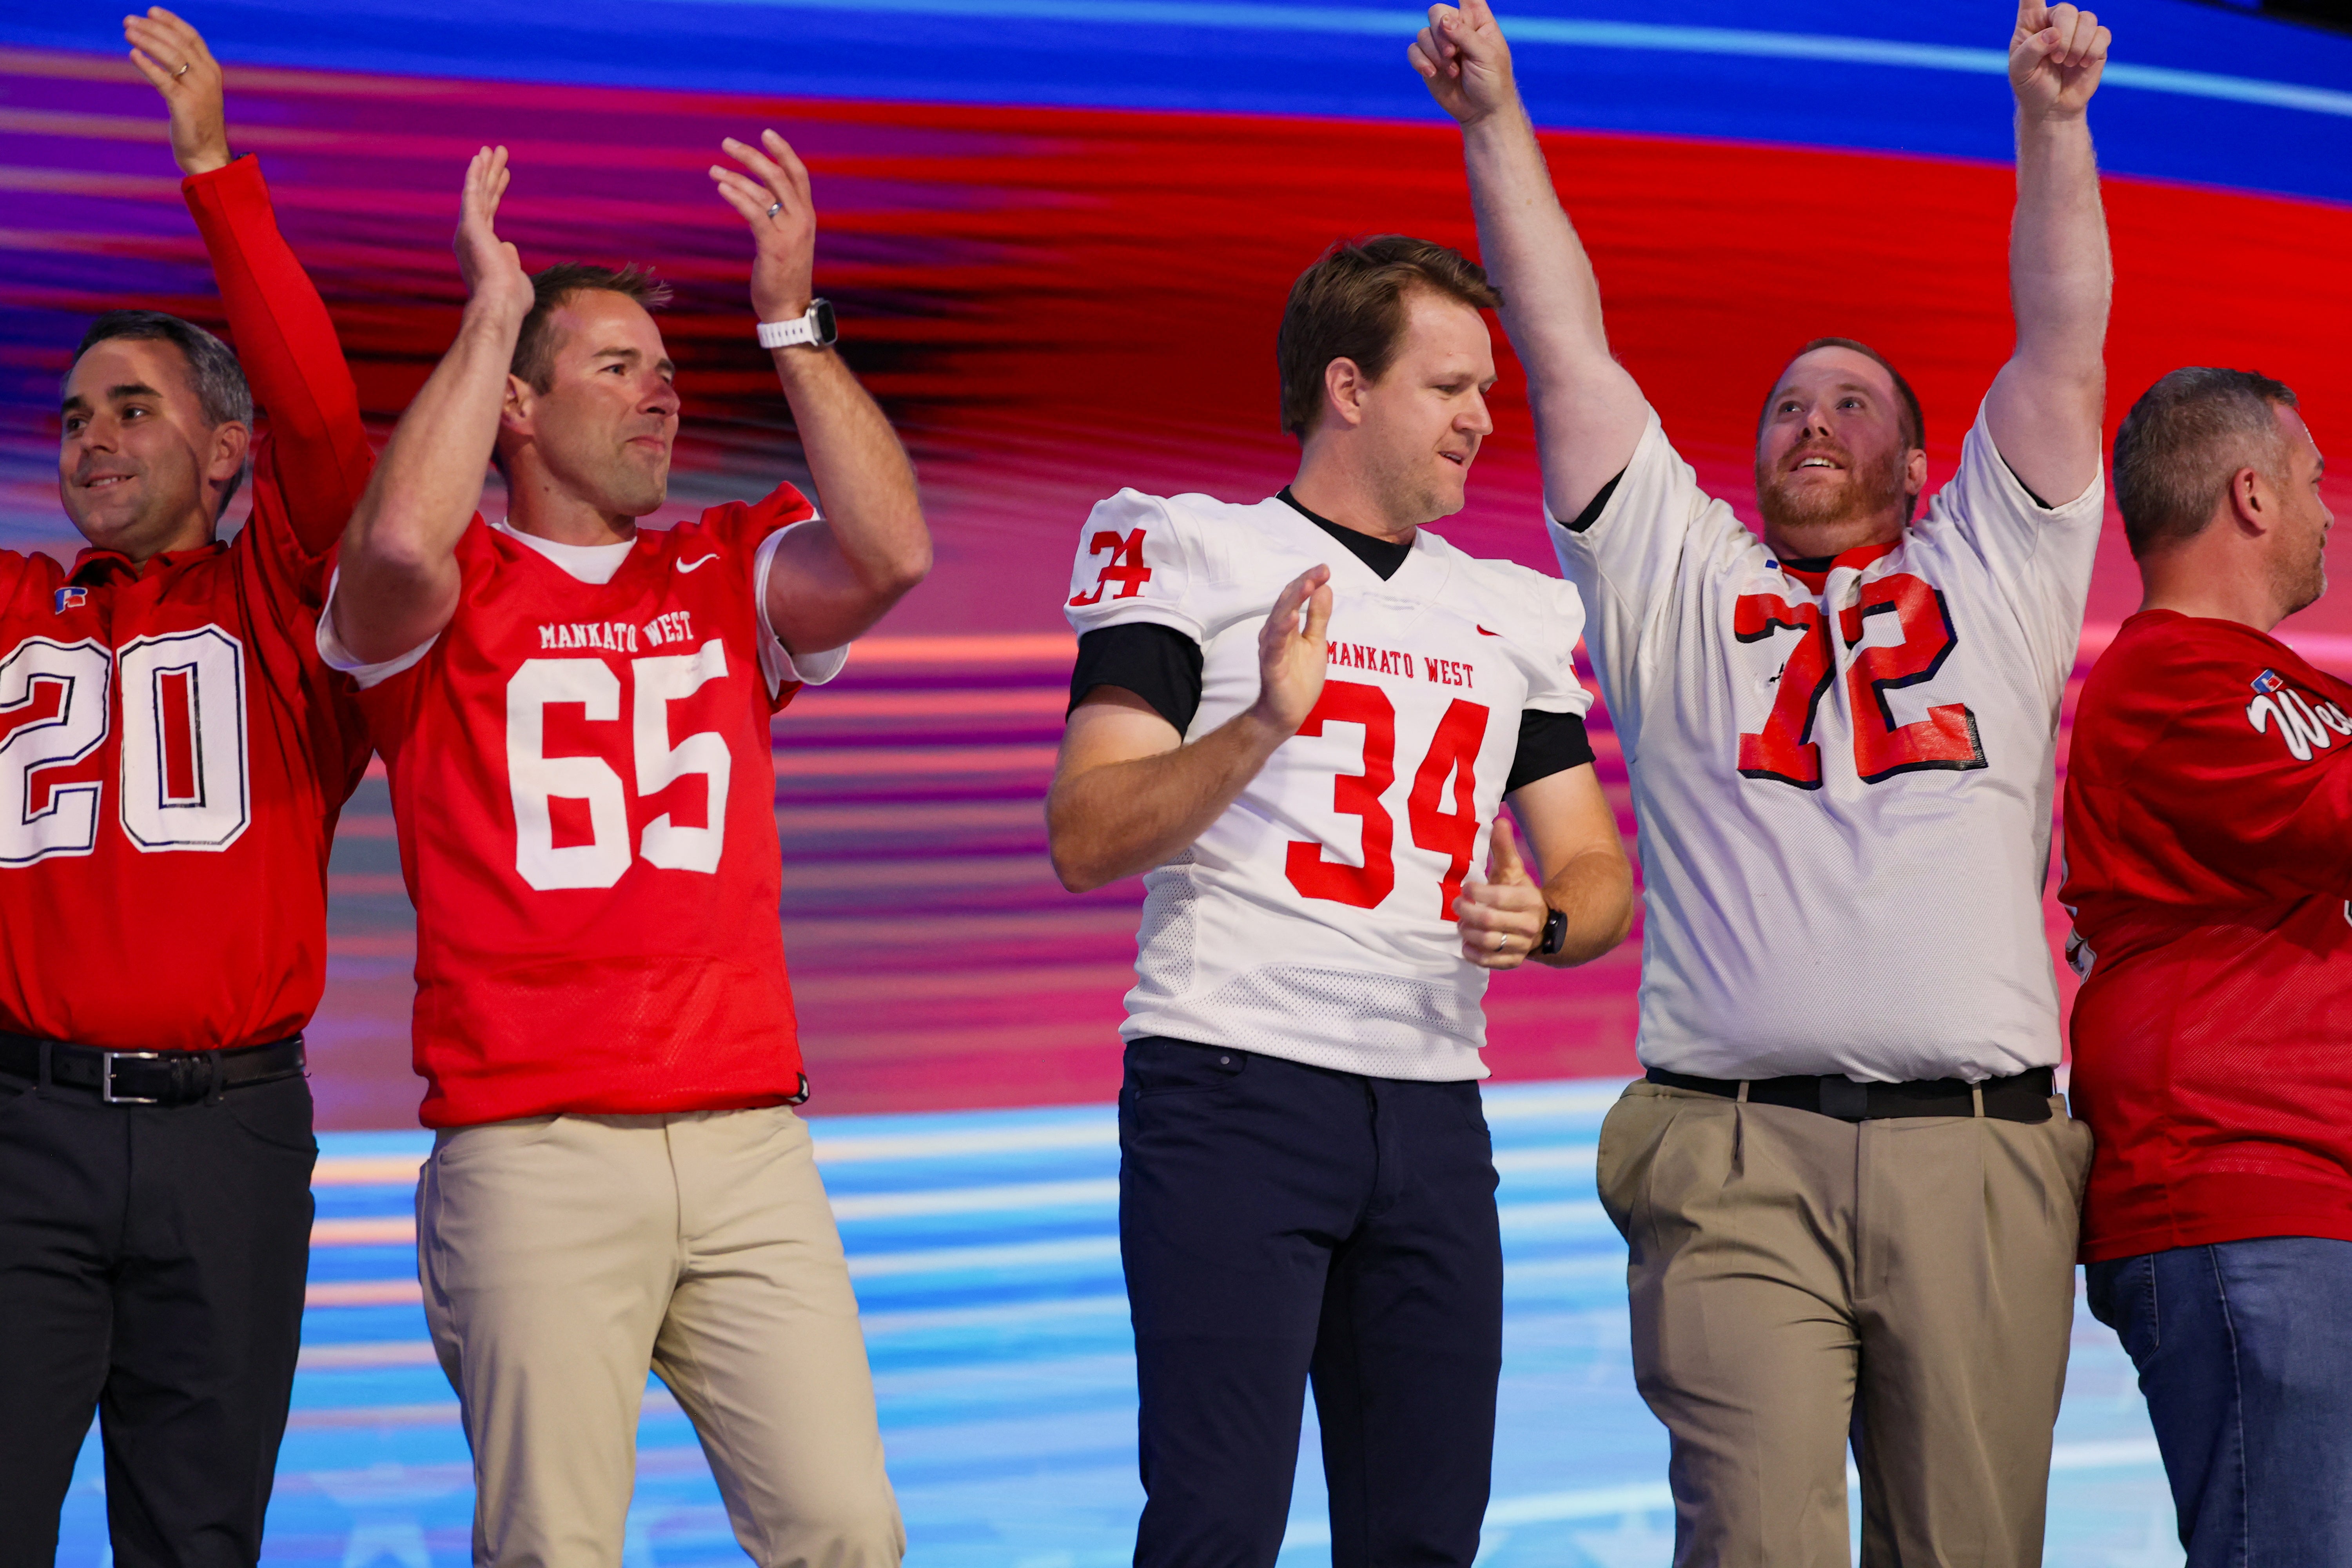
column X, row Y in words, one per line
column 1385, row 559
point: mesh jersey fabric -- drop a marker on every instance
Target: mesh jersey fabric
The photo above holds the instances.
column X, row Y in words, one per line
column 2209, row 858
column 1843, row 791
column 583, row 785
column 1312, row 920
column 172, row 752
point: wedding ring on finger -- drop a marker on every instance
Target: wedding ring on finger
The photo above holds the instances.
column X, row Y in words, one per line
column 183, row 70
column 775, row 207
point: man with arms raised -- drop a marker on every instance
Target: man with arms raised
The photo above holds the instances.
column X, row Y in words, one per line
column 173, row 756
column 574, row 711
column 1849, row 1190
column 2208, row 859
column 1305, row 1184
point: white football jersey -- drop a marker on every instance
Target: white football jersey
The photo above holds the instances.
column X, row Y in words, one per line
column 1314, row 920
column 1844, row 793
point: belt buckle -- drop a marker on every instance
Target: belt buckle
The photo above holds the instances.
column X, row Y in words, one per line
column 106, row 1078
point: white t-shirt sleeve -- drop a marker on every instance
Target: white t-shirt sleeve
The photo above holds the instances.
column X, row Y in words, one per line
column 1657, row 526
column 2039, row 557
column 338, row 657
column 777, row 662
column 1139, row 562
column 1553, row 683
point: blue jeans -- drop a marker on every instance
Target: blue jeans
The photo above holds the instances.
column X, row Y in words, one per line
column 2244, row 1351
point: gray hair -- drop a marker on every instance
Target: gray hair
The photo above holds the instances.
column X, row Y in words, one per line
column 2183, row 441
column 219, row 382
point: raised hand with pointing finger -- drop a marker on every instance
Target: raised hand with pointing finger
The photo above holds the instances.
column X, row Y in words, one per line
column 1465, row 62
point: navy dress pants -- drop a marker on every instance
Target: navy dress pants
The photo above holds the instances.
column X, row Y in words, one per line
column 152, row 1264
column 2244, row 1351
column 1281, row 1223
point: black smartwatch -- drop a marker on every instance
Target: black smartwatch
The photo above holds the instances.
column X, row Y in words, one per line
column 1555, row 936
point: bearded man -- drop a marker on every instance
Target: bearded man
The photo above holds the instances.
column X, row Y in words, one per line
column 1850, row 1191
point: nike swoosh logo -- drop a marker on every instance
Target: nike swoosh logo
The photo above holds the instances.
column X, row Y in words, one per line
column 1484, row 632
column 685, row 566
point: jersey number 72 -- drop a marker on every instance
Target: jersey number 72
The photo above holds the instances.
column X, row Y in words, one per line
column 1784, row 750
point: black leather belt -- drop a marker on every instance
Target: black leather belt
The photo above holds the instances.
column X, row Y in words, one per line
column 148, row 1078
column 2023, row 1098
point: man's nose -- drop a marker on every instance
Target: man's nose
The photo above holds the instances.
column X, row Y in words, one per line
column 663, row 399
column 1477, row 419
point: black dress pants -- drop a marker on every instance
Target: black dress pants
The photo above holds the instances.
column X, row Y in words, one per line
column 151, row 1268
column 1280, row 1222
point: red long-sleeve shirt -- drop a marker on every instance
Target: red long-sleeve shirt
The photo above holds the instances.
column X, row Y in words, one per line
column 2209, row 861
column 172, row 750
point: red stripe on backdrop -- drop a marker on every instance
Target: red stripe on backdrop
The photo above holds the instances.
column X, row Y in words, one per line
column 1053, row 304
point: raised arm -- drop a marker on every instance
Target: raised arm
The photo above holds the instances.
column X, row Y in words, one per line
column 833, row 580
column 2046, row 405
column 1128, row 792
column 399, row 564
column 318, row 444
column 1589, row 412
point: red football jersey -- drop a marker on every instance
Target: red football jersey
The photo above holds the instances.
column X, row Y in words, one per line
column 2208, row 859
column 586, row 799
column 173, row 751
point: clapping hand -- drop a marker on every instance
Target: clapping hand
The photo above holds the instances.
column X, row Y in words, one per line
column 771, row 192
column 171, row 54
column 491, row 266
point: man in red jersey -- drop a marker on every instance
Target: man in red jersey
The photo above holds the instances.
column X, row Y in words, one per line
column 2208, row 855
column 576, row 713
column 172, row 755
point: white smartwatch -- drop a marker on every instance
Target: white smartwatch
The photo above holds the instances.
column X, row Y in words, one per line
column 816, row 327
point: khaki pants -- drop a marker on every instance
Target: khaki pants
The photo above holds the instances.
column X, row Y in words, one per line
column 1798, row 1282
column 563, row 1255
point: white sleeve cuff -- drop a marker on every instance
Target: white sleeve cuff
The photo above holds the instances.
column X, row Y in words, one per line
column 777, row 661
column 338, row 657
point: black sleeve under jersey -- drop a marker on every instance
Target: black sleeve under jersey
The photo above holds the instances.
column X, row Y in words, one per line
column 1158, row 664
column 1548, row 743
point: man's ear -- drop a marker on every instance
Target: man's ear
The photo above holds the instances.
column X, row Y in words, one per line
column 1343, row 390
column 2252, row 503
column 515, row 413
column 230, row 444
column 1914, row 473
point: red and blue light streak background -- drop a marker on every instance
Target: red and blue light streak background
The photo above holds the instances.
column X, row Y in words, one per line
column 1059, row 237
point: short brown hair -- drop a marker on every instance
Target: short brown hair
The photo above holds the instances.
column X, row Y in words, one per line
column 534, row 352
column 1914, row 424
column 1351, row 305
column 2182, row 443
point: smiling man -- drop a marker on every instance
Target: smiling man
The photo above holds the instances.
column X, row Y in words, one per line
column 1850, row 1191
column 574, row 711
column 1305, row 1184
column 172, row 757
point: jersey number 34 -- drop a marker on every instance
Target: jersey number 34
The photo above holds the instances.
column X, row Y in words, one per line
column 1452, row 752
column 1785, row 749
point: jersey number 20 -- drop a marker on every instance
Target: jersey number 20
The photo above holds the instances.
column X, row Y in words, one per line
column 1453, row 751
column 1785, row 749
column 535, row 778
column 183, row 768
